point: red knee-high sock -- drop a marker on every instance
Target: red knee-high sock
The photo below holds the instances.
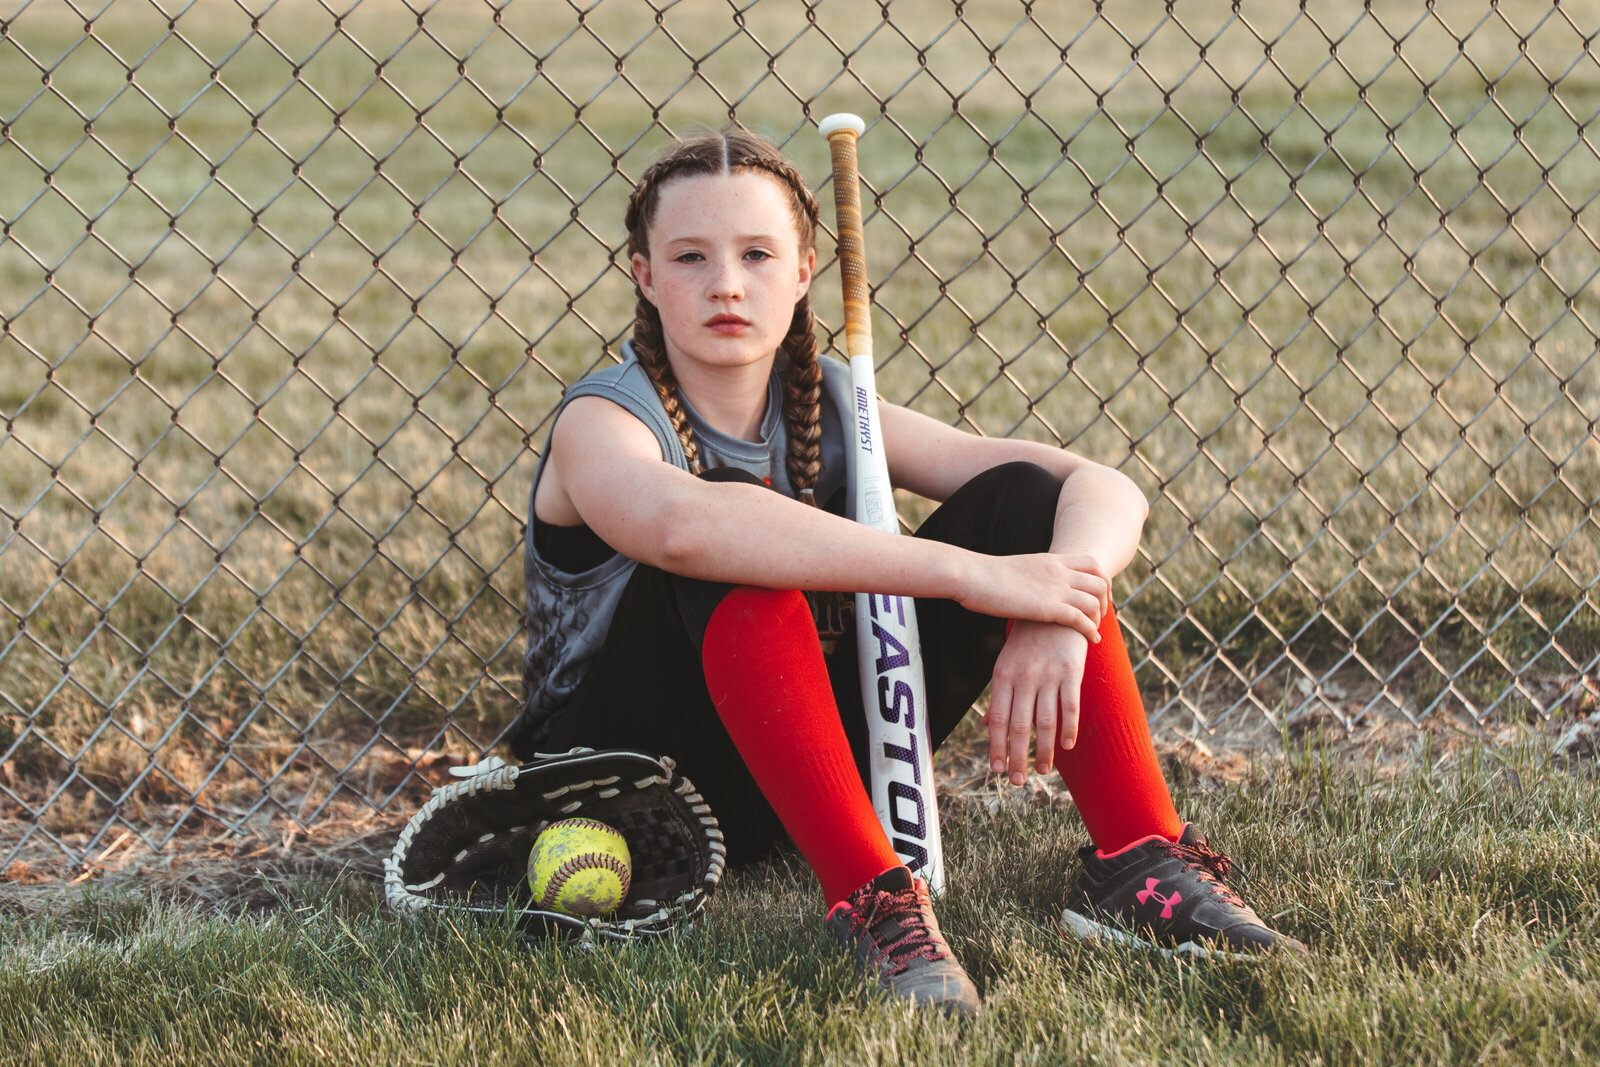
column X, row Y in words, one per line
column 1112, row 770
column 765, row 672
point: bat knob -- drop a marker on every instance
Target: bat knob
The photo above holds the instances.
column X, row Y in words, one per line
column 841, row 121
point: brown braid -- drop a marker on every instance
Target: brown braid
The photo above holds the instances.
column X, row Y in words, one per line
column 802, row 402
column 723, row 152
column 651, row 348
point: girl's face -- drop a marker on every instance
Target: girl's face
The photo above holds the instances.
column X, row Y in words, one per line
column 725, row 268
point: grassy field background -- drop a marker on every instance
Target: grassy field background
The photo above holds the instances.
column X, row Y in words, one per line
column 1449, row 904
column 289, row 297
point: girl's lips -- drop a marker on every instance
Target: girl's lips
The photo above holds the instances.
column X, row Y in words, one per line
column 726, row 323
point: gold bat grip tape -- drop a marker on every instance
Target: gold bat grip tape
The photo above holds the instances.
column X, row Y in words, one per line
column 852, row 243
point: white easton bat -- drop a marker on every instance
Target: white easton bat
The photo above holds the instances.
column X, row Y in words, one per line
column 892, row 688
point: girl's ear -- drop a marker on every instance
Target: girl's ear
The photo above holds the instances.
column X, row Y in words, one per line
column 808, row 266
column 641, row 274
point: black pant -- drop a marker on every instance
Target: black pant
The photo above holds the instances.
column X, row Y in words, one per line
column 645, row 688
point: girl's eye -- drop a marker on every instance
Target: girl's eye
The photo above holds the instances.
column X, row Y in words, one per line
column 758, row 254
column 688, row 257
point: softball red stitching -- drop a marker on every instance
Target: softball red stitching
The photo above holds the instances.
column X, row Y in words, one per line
column 588, row 860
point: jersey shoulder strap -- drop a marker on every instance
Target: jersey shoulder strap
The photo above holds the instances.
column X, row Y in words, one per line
column 628, row 386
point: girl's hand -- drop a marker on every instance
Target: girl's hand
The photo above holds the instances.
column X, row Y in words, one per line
column 1071, row 591
column 1035, row 689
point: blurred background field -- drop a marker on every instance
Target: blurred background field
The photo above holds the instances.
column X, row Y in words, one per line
column 289, row 292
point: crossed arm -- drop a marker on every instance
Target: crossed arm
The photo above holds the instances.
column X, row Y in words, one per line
column 605, row 470
column 1099, row 516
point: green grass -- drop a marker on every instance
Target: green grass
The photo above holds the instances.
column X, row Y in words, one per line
column 280, row 345
column 1449, row 906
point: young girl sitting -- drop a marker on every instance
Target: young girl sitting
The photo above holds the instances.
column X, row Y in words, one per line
column 686, row 556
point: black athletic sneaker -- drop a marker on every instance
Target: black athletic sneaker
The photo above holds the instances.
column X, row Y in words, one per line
column 1170, row 897
column 889, row 925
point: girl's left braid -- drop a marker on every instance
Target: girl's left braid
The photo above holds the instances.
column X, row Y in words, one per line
column 802, row 392
column 802, row 403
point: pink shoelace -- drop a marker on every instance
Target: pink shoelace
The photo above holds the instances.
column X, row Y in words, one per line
column 871, row 909
column 1210, row 865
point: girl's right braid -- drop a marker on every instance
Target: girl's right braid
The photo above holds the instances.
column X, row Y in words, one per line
column 649, row 342
column 650, row 347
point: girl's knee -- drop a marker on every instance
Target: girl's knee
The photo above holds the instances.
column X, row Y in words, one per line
column 1003, row 511
column 1022, row 478
column 730, row 474
column 1019, row 488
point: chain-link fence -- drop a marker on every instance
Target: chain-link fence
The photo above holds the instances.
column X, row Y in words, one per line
column 289, row 290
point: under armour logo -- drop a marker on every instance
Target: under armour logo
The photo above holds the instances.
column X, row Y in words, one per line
column 1148, row 893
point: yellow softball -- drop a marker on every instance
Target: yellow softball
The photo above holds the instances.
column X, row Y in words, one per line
column 580, row 867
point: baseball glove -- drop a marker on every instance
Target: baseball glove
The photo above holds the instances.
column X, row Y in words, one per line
column 467, row 849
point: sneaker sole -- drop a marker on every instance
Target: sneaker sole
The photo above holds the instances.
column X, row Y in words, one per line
column 1089, row 930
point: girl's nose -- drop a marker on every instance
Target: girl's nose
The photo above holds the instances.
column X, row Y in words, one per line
column 726, row 283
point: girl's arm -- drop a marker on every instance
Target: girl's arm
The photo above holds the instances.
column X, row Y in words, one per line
column 605, row 469
column 1100, row 512
column 1034, row 694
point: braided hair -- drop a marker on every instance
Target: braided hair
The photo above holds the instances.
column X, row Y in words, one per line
column 729, row 151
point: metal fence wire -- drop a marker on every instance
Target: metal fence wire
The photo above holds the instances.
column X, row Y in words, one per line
column 289, row 290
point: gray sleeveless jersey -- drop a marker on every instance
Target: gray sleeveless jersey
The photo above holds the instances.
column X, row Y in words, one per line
column 569, row 614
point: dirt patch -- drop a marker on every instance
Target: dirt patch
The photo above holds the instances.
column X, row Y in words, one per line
column 235, row 865
column 225, row 871
column 262, row 865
